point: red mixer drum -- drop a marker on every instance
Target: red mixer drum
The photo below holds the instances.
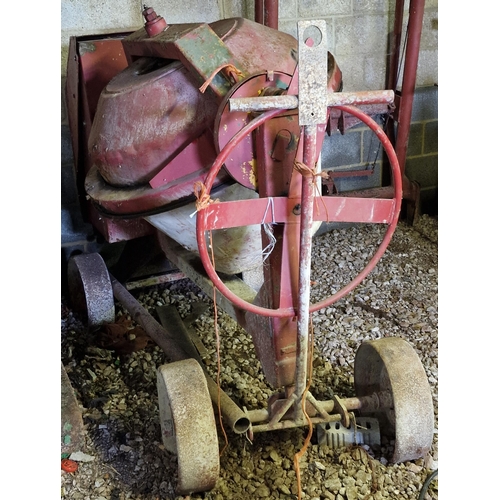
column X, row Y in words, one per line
column 146, row 116
column 160, row 123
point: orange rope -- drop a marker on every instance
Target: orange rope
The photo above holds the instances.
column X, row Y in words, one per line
column 203, row 200
column 303, row 169
column 218, row 354
column 301, row 452
column 306, row 171
column 230, row 70
column 202, row 197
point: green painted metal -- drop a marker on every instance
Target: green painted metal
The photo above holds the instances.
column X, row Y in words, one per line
column 206, row 52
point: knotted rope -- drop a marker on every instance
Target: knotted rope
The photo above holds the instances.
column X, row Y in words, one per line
column 203, row 199
column 306, row 171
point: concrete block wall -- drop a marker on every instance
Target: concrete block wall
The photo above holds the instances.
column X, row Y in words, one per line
column 358, row 33
column 359, row 149
column 422, row 157
column 358, row 30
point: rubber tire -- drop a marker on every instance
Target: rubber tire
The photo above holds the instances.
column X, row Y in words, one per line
column 90, row 289
column 391, row 364
column 188, row 425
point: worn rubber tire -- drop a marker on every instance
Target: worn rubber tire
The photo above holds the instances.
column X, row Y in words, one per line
column 188, row 425
column 90, row 289
column 391, row 364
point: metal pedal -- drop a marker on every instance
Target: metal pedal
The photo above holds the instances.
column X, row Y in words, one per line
column 334, row 434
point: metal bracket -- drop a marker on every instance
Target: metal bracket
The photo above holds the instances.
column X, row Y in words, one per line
column 339, row 407
column 313, row 72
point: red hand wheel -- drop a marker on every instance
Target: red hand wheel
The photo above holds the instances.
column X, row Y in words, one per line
column 223, row 215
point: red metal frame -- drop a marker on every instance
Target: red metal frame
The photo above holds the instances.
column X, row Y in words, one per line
column 404, row 105
column 93, row 60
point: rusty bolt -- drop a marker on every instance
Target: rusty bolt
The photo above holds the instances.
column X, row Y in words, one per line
column 149, row 14
column 154, row 24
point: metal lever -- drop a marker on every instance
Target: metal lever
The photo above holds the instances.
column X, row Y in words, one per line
column 313, row 72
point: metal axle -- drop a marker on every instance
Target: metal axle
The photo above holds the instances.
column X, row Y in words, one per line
column 318, row 411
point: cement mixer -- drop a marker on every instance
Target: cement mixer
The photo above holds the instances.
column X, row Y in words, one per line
column 209, row 137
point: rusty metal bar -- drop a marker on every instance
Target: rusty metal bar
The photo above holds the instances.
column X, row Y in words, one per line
column 271, row 13
column 259, row 11
column 265, row 103
column 409, row 80
column 317, row 405
column 155, row 280
column 363, row 97
column 232, row 414
column 167, row 341
column 276, row 417
column 384, row 192
column 374, row 402
column 291, row 424
column 335, row 174
column 164, row 339
column 306, row 234
column 191, row 265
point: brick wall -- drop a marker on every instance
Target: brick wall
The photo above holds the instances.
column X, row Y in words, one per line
column 422, row 158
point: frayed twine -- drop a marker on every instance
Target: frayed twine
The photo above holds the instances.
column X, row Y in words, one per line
column 306, row 171
column 203, row 199
column 268, row 229
column 230, row 70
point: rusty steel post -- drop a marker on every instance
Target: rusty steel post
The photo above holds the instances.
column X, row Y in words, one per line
column 266, row 13
column 271, row 13
column 259, row 11
column 265, row 103
column 312, row 107
column 409, row 80
column 306, row 234
column 404, row 102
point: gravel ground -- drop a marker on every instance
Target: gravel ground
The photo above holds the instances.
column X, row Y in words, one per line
column 124, row 457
